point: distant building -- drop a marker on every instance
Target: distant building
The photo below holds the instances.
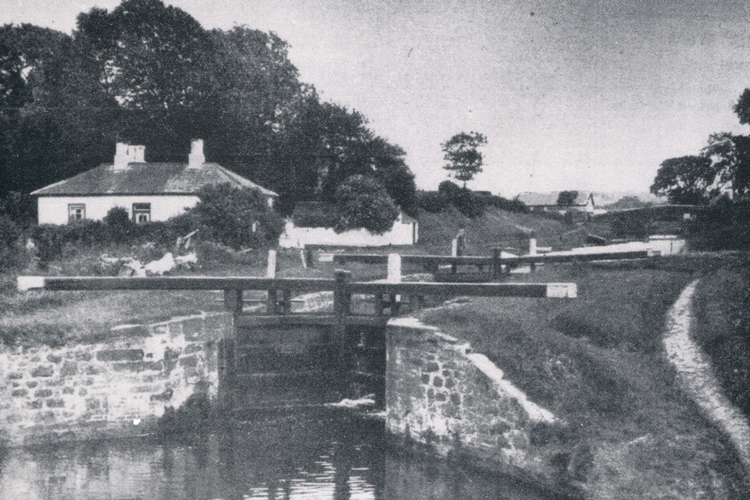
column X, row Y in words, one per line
column 312, row 223
column 584, row 202
column 148, row 191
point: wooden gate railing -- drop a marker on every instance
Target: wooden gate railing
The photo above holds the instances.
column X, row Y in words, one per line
column 494, row 263
column 278, row 311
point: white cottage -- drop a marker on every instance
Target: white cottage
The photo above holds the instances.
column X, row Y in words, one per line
column 312, row 223
column 148, row 191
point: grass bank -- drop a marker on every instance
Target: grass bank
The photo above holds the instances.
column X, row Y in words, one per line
column 722, row 329
column 57, row 318
column 598, row 363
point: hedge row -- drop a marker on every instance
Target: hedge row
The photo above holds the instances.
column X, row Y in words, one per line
column 467, row 202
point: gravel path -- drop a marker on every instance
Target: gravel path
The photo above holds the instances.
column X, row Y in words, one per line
column 697, row 378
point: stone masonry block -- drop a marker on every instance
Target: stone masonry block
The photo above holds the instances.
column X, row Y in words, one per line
column 120, row 355
column 19, row 393
column 15, row 376
column 43, row 393
column 175, row 328
column 193, row 348
column 93, row 370
column 138, row 366
column 54, row 359
column 192, row 328
column 83, row 356
column 43, row 371
column 431, row 367
column 69, row 368
column 191, row 361
column 216, row 326
column 55, row 403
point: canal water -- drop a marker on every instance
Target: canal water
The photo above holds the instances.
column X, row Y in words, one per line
column 310, row 456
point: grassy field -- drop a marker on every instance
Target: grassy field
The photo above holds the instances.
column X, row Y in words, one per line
column 722, row 307
column 55, row 318
column 494, row 228
column 598, row 362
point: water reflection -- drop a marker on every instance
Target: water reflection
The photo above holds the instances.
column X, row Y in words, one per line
column 308, row 456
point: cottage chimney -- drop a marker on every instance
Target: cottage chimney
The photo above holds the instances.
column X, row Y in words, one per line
column 139, row 154
column 196, row 158
column 126, row 153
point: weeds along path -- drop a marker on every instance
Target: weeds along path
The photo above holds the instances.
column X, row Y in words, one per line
column 697, row 379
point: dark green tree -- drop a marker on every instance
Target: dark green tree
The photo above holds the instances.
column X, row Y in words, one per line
column 55, row 119
column 238, row 218
column 463, row 155
column 687, row 180
column 148, row 73
column 567, row 198
column 730, row 157
column 364, row 202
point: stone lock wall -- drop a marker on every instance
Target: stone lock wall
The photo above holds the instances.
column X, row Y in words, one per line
column 115, row 387
column 441, row 396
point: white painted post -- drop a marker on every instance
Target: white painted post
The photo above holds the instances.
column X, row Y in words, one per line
column 394, row 268
column 271, row 270
column 454, row 248
column 394, row 276
column 532, row 246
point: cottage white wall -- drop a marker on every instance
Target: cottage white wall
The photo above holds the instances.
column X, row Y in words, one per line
column 401, row 234
column 54, row 209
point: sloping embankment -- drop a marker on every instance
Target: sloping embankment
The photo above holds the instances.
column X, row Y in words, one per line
column 697, row 378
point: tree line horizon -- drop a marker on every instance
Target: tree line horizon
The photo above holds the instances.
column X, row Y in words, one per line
column 147, row 73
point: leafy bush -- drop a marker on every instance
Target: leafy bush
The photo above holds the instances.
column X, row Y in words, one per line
column 449, row 189
column 468, row 203
column 20, row 208
column 119, row 225
column 315, row 214
column 722, row 227
column 238, row 218
column 432, row 201
column 514, row 205
column 364, row 203
column 52, row 240
column 12, row 253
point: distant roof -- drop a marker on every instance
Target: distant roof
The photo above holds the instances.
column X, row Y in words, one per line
column 550, row 199
column 148, row 178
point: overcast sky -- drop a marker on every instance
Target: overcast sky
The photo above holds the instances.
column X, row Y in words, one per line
column 578, row 94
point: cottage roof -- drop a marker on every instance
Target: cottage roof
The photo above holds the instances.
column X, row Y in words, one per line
column 148, row 178
column 550, row 199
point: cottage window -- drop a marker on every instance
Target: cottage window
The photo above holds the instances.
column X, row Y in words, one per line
column 141, row 212
column 76, row 211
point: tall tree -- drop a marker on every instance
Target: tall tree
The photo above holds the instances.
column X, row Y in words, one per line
column 463, row 155
column 148, row 73
column 730, row 157
column 567, row 198
column 689, row 180
column 54, row 116
column 151, row 58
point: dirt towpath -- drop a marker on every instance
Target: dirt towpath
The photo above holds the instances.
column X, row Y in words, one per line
column 697, row 378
